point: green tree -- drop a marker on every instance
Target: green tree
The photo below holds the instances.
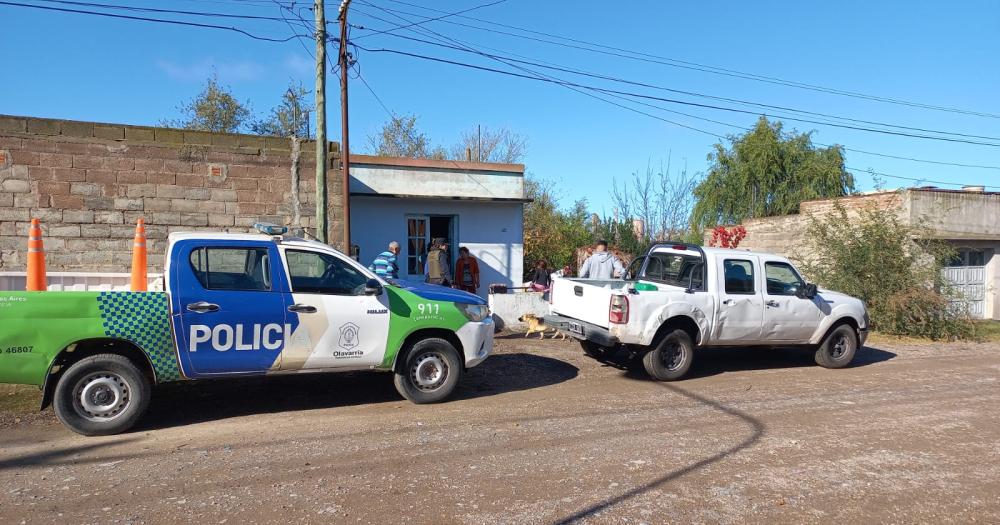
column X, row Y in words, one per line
column 214, row 109
column 767, row 172
column 399, row 137
column 895, row 268
column 290, row 118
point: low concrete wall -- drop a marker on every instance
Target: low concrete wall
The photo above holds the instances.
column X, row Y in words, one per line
column 80, row 282
column 507, row 308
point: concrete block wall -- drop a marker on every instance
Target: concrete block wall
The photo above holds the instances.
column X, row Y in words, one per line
column 89, row 182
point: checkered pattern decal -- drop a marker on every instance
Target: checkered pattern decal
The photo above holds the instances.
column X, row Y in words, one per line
column 144, row 319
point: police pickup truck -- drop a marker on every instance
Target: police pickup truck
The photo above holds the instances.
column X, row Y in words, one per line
column 236, row 305
column 678, row 296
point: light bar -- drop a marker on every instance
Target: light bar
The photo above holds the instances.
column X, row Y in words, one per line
column 270, row 229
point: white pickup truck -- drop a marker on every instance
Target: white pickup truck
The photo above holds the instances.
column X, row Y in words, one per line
column 680, row 296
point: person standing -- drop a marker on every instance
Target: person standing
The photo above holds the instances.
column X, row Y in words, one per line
column 466, row 271
column 541, row 278
column 601, row 264
column 437, row 268
column 385, row 265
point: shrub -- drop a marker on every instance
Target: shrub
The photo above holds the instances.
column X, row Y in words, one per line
column 892, row 266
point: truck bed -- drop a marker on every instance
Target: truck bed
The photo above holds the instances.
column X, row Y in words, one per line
column 585, row 299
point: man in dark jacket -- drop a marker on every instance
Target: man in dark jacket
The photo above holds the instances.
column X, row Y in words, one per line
column 438, row 269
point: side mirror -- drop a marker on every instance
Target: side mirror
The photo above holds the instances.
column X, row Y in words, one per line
column 373, row 287
column 807, row 291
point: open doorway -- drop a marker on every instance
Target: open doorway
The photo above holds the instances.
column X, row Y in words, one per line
column 421, row 230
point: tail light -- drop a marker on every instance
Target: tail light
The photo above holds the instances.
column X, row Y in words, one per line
column 552, row 290
column 618, row 312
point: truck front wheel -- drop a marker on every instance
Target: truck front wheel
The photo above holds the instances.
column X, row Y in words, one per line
column 839, row 347
column 101, row 395
column 672, row 357
column 430, row 373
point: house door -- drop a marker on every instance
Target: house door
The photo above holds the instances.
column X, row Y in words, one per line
column 417, row 242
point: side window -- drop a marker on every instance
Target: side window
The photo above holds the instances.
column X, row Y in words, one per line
column 781, row 279
column 313, row 272
column 739, row 276
column 236, row 269
column 675, row 269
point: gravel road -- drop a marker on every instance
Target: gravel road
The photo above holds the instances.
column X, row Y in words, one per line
column 541, row 434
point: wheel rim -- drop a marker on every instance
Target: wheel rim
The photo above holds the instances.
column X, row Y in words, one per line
column 841, row 345
column 672, row 356
column 101, row 397
column 429, row 371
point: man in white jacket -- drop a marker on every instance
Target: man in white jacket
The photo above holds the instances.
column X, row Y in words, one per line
column 601, row 265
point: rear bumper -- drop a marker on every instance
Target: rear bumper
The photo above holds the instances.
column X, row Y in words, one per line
column 581, row 330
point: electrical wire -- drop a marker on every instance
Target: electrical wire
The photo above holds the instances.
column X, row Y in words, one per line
column 688, row 93
column 446, row 15
column 157, row 10
column 157, row 20
column 684, row 64
column 388, row 111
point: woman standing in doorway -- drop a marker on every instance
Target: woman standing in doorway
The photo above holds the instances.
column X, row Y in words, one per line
column 466, row 271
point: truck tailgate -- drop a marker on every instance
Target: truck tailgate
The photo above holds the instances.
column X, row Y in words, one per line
column 584, row 299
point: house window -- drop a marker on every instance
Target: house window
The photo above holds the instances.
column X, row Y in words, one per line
column 968, row 257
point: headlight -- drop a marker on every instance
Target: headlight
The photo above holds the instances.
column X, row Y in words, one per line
column 474, row 312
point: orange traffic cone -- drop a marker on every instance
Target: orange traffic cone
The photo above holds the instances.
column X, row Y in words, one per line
column 139, row 277
column 36, row 281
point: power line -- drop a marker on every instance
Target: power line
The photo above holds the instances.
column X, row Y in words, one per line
column 672, row 101
column 914, row 179
column 683, row 92
column 683, row 64
column 157, row 20
column 156, row 10
column 372, row 91
column 446, row 15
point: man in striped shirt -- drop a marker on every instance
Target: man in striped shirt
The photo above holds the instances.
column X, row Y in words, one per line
column 385, row 265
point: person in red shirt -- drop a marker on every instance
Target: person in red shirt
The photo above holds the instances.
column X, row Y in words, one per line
column 466, row 271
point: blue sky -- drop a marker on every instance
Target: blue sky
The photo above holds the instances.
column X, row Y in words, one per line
column 89, row 68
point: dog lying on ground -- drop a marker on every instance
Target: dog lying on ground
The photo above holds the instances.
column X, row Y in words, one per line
column 536, row 325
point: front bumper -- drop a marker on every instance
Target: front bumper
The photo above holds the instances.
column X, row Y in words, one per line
column 477, row 341
column 581, row 330
column 863, row 335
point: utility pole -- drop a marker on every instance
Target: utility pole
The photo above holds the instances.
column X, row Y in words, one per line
column 321, row 145
column 345, row 153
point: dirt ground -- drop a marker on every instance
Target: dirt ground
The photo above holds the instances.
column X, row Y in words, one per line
column 541, row 434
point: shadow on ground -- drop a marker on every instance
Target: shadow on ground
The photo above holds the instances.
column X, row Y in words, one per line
column 177, row 404
column 714, row 361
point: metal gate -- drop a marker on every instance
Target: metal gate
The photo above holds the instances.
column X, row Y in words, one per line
column 969, row 283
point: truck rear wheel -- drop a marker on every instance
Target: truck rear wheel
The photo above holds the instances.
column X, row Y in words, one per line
column 839, row 347
column 672, row 357
column 430, row 373
column 101, row 395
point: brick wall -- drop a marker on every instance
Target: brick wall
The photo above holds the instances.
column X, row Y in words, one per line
column 89, row 182
column 786, row 234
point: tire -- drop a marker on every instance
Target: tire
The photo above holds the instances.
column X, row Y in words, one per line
column 672, row 357
column 594, row 350
column 101, row 395
column 430, row 373
column 838, row 348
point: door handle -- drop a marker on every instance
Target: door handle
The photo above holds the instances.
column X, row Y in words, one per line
column 772, row 302
column 302, row 309
column 727, row 301
column 202, row 307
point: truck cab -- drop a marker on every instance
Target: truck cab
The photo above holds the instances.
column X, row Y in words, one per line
column 236, row 305
column 679, row 296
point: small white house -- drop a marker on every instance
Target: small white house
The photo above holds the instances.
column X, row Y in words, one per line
column 476, row 205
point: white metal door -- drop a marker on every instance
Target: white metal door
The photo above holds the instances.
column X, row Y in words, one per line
column 969, row 283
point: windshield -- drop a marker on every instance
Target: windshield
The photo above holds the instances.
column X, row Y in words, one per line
column 675, row 269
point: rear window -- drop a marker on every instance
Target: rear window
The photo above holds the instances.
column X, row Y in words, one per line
column 237, row 269
column 675, row 269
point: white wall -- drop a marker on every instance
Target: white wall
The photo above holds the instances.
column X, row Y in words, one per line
column 491, row 230
column 429, row 182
